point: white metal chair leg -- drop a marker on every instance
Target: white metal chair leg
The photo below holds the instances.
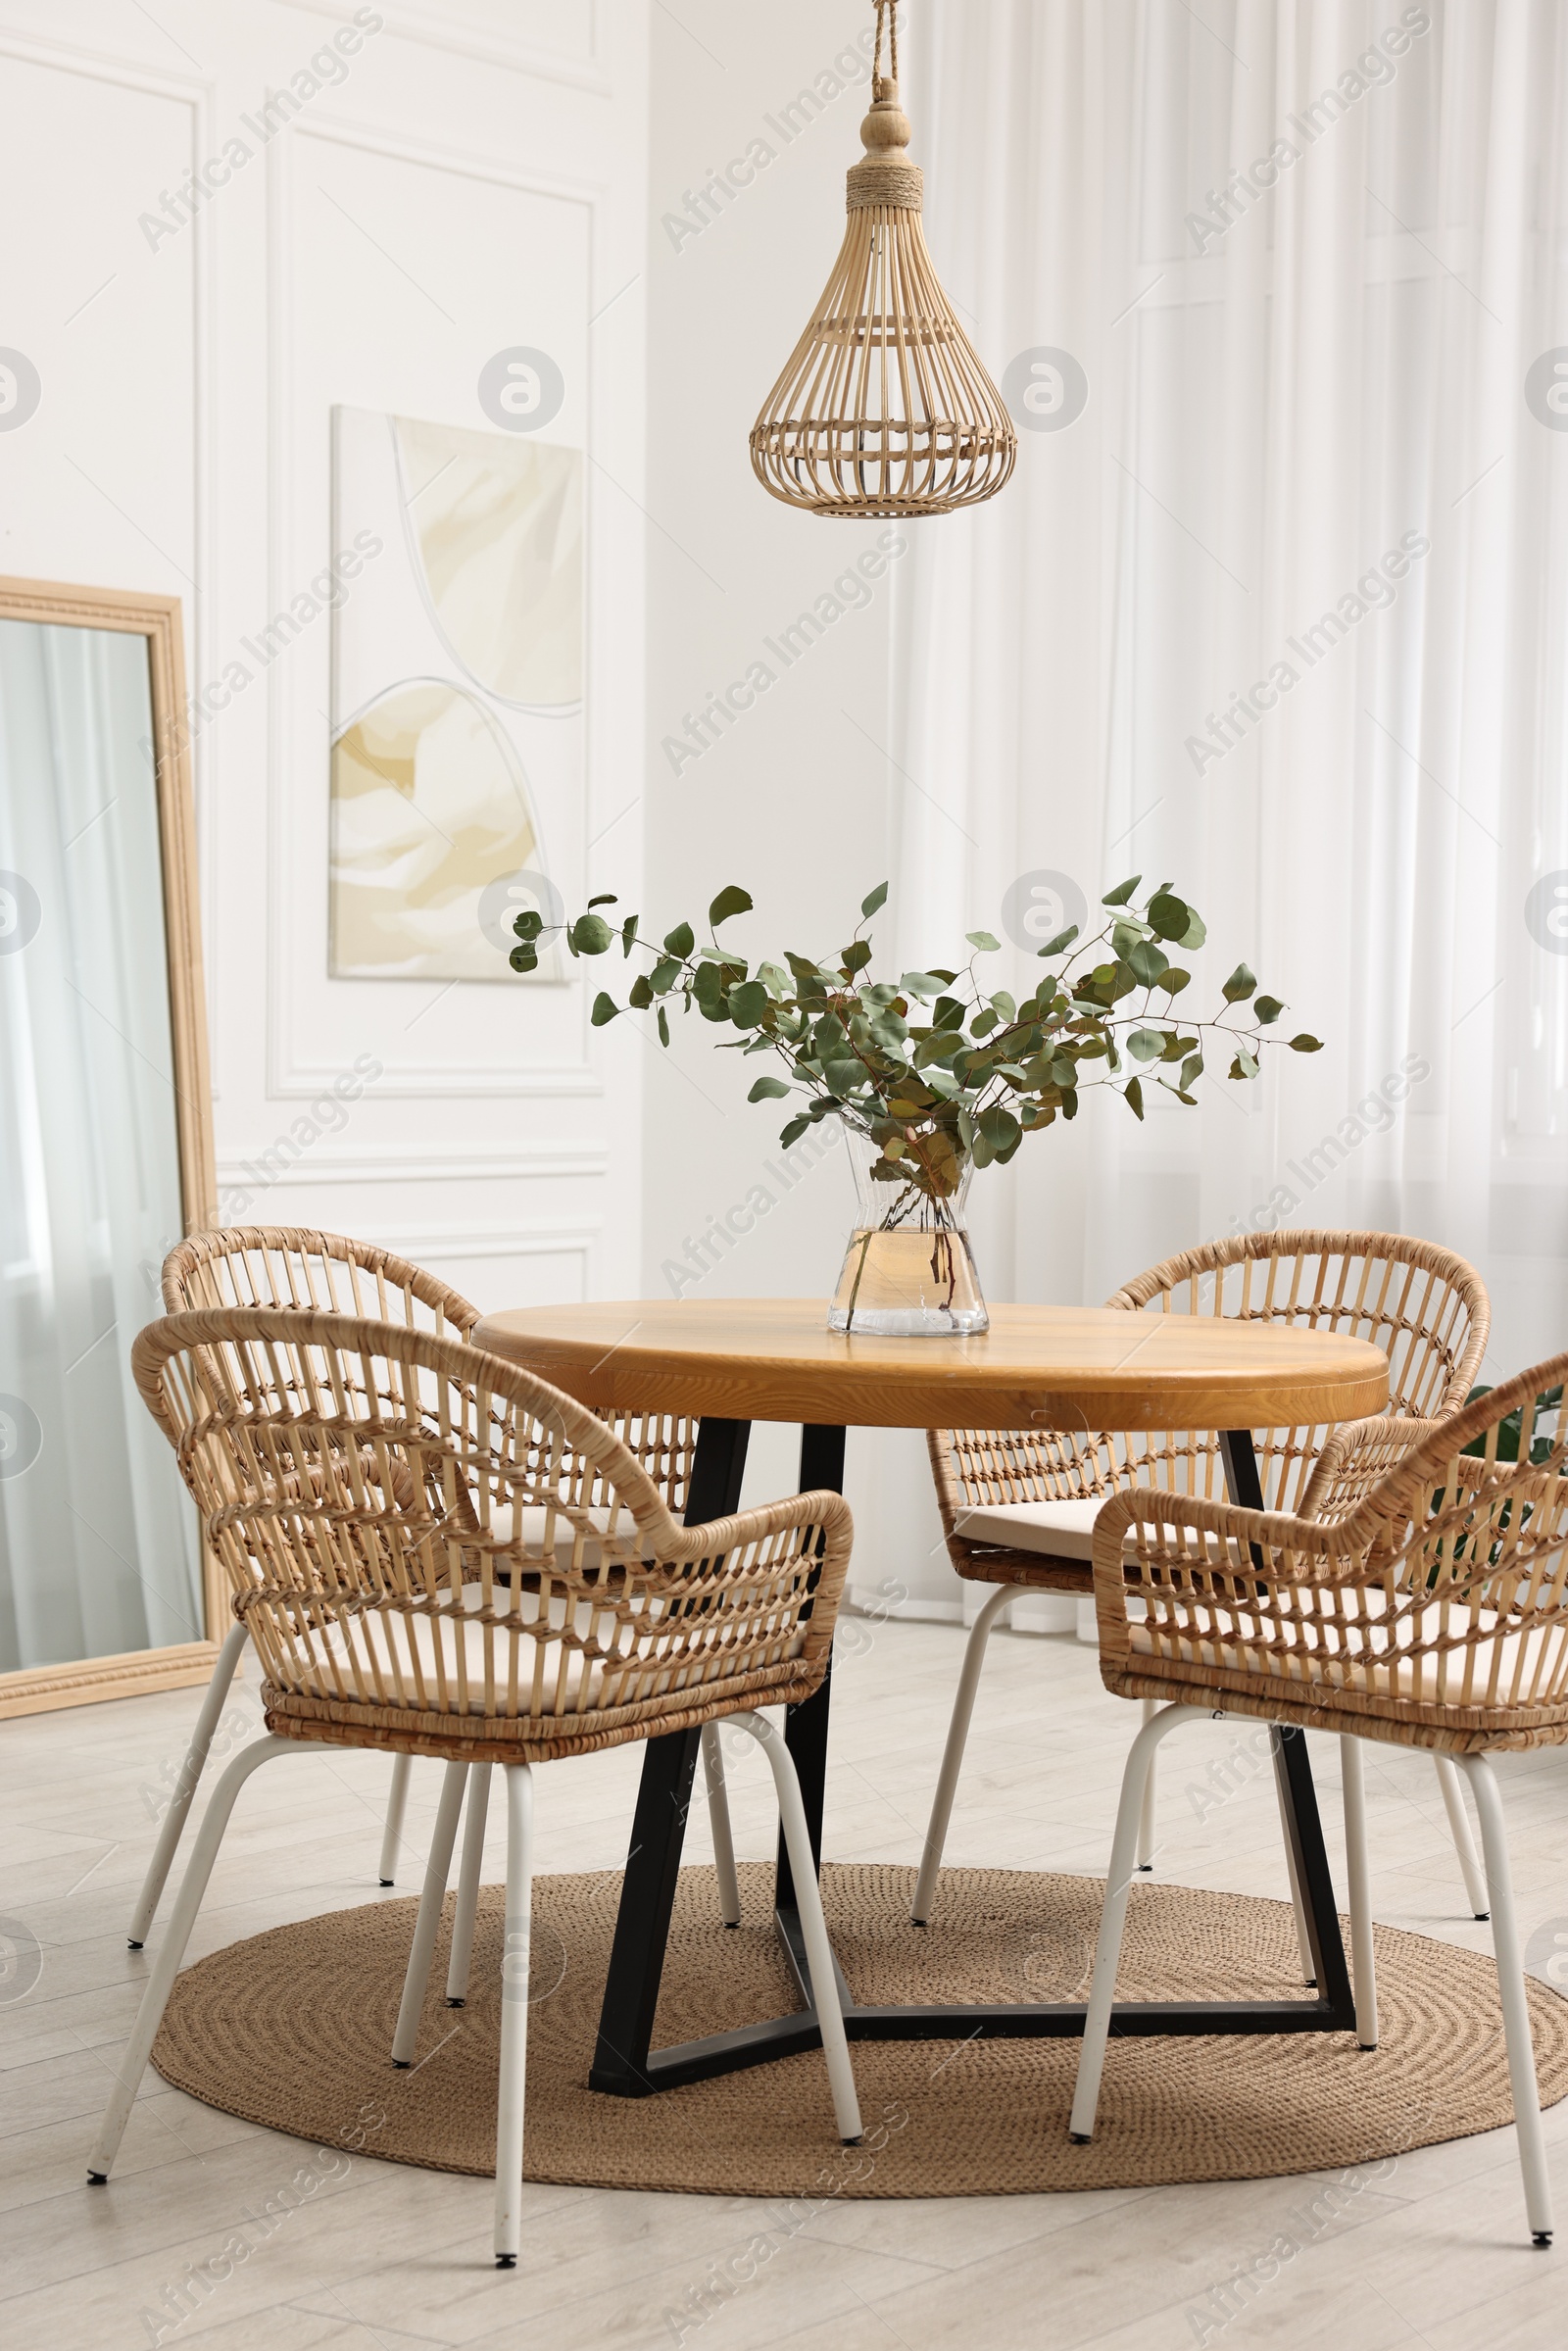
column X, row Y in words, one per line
column 190, row 1772
column 1515, row 2007
column 936, row 1835
column 514, row 1954
column 1146, row 1818
column 729, row 1886
column 150, row 2015
column 468, row 1875
column 813, row 1926
column 1475, row 1879
column 1361, row 1877
column 436, row 1871
column 1303, row 1941
column 396, row 1797
column 1113, row 1917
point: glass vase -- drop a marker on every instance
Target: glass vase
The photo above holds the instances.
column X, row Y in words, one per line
column 909, row 1271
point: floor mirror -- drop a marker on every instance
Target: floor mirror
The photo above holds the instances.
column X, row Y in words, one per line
column 106, row 1150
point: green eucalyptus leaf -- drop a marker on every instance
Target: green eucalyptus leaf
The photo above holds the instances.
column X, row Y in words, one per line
column 529, row 923
column 843, row 1078
column 1000, row 1128
column 748, row 1004
column 1192, row 1071
column 664, row 974
column 1134, row 1093
column 524, row 957
column 1193, row 935
column 855, row 956
column 664, row 1026
column 984, row 941
column 1239, row 987
column 1120, row 896
column 1146, row 1044
column 1169, row 915
column 1267, row 1008
column 1148, row 960
column 984, row 1022
column 729, row 901
column 1304, row 1044
column 606, row 897
column 793, row 1132
column 876, row 902
column 641, row 995
column 680, row 940
column 1244, row 1065
column 768, row 1089
column 605, row 1009
column 628, row 934
column 925, row 985
column 589, row 935
column 1054, row 946
column 1173, row 981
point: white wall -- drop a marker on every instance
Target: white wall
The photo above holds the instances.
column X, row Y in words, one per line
column 475, row 179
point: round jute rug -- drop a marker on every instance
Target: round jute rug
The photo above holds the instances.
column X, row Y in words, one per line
column 293, row 2030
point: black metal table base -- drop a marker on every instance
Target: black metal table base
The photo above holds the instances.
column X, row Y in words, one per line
column 625, row 2063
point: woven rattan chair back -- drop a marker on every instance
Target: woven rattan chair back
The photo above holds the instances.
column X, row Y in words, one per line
column 1436, row 1614
column 329, row 1273
column 435, row 1551
column 1426, row 1307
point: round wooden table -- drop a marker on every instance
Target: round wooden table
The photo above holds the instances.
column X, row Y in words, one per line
column 731, row 1361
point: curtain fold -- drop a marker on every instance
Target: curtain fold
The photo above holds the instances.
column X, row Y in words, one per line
column 1278, row 615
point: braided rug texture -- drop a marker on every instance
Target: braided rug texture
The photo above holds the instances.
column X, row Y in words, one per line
column 293, row 2030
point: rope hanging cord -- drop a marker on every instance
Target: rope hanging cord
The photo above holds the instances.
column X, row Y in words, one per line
column 885, row 174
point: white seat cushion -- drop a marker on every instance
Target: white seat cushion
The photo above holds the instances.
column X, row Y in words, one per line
column 1062, row 1528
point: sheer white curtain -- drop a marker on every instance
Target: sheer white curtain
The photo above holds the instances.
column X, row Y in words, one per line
column 98, row 1548
column 1307, row 253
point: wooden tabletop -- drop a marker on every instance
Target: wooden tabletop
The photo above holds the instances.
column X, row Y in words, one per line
column 1063, row 1367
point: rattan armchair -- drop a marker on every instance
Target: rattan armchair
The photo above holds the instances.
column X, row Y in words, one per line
column 437, row 1554
column 1019, row 1507
column 311, row 1272
column 1435, row 1615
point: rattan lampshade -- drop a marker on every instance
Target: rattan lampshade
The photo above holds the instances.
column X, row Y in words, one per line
column 884, row 406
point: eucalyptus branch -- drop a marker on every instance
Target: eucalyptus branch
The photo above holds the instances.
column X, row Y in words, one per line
column 972, row 1073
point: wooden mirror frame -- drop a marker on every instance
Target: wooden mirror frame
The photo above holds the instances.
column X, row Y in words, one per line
column 35, row 1689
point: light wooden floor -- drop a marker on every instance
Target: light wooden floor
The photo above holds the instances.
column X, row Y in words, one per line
column 1436, row 2253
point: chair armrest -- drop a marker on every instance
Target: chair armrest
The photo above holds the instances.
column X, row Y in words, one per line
column 1356, row 1455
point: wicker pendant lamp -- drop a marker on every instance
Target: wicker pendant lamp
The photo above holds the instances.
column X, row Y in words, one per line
column 884, row 406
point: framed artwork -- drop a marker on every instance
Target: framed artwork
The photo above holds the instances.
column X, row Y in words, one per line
column 458, row 655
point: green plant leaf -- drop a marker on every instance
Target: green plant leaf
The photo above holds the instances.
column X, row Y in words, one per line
column 1304, row 1044
column 1148, row 960
column 748, row 1004
column 524, row 957
column 1169, row 915
column 1054, row 946
column 1239, row 987
column 1266, row 1009
column 1121, row 895
column 1192, row 1071
column 1145, row 1045
column 1000, row 1128
column 876, row 902
column 793, row 1132
column 1244, row 1065
column 606, row 897
column 923, row 985
column 628, row 934
column 843, row 1078
column 1193, row 935
column 641, row 994
column 664, row 974
column 605, row 1009
column 855, row 956
column 768, row 1089
column 680, row 940
column 730, row 901
column 1173, row 981
column 1134, row 1093
column 664, row 1026
column 984, row 942
column 529, row 923
column 589, row 935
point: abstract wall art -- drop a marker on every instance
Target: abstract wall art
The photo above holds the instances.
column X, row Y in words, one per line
column 456, row 695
